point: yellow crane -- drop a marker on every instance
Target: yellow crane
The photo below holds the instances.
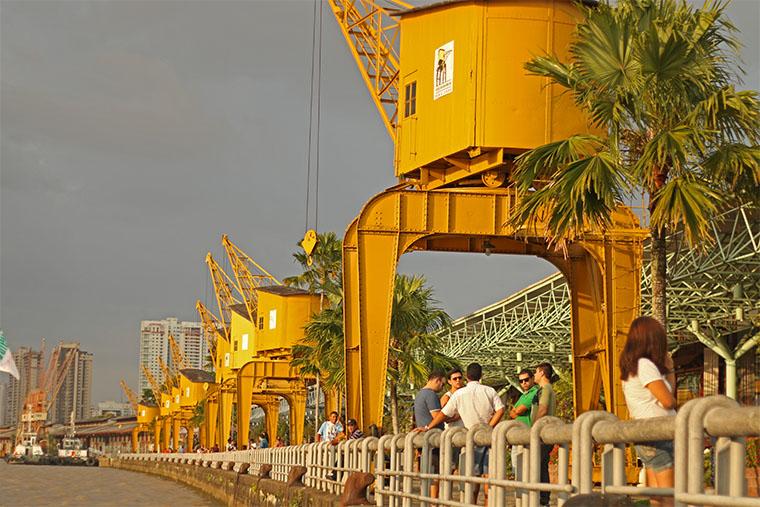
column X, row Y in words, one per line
column 249, row 275
column 223, row 292
column 130, row 394
column 155, row 387
column 178, row 359
column 457, row 130
column 170, row 375
column 372, row 34
column 214, row 330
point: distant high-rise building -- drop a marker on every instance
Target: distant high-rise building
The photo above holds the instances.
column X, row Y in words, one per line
column 154, row 344
column 3, row 400
column 75, row 394
column 29, row 364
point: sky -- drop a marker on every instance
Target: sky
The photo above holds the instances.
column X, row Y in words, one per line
column 133, row 134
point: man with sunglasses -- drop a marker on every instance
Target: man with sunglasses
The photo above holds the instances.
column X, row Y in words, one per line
column 521, row 409
column 456, row 381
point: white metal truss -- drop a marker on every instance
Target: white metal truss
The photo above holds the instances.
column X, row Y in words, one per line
column 533, row 324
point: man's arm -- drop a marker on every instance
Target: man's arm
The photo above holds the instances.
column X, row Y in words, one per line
column 496, row 417
column 543, row 404
column 438, row 418
column 518, row 411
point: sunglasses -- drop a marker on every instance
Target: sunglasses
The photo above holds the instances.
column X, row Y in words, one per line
column 523, row 380
column 456, row 378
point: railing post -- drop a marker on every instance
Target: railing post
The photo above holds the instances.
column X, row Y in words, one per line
column 408, row 467
column 535, row 454
column 498, row 459
column 380, row 468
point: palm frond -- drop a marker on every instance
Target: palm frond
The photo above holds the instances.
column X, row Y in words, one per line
column 688, row 202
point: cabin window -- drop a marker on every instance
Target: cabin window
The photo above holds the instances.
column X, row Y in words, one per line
column 272, row 319
column 410, row 99
column 244, row 344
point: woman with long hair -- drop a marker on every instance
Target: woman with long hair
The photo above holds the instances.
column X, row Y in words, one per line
column 646, row 369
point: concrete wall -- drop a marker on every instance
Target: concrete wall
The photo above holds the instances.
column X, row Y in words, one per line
column 231, row 488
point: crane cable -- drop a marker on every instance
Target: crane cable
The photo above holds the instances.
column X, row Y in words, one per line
column 313, row 134
column 310, row 235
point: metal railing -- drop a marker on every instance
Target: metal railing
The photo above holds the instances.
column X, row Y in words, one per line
column 403, row 464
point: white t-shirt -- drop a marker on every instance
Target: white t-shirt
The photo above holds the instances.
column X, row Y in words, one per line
column 642, row 404
column 453, row 424
column 475, row 403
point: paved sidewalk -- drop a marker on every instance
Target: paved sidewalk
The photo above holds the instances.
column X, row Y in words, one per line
column 28, row 485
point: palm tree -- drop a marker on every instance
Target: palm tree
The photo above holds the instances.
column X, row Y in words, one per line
column 414, row 348
column 655, row 77
column 321, row 352
column 323, row 276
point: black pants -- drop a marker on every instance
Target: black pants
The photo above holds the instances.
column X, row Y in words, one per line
column 545, row 450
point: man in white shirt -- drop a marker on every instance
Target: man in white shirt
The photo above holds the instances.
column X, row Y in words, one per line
column 475, row 404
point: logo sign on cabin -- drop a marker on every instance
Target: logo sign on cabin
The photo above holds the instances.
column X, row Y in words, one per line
column 443, row 70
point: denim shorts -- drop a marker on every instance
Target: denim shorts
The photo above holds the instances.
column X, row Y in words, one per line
column 481, row 460
column 657, row 456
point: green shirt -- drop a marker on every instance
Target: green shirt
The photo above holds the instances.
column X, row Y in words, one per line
column 526, row 400
column 544, row 396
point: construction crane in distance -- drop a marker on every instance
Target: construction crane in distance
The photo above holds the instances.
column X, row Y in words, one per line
column 38, row 401
column 249, row 275
column 372, row 34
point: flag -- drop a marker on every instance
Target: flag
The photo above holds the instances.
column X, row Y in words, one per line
column 6, row 359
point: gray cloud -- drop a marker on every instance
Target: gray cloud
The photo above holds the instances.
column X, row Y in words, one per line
column 135, row 133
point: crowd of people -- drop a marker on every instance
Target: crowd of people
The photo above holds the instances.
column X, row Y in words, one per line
column 648, row 381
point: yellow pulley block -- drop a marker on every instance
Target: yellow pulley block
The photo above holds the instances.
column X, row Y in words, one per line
column 308, row 244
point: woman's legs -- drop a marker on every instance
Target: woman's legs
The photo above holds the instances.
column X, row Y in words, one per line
column 661, row 479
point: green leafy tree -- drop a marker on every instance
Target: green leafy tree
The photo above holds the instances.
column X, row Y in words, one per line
column 655, row 78
column 148, row 397
column 323, row 275
column 414, row 347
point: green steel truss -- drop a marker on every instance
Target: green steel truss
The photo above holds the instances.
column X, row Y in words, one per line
column 533, row 324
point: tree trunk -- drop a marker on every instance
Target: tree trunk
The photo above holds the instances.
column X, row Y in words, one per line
column 394, row 406
column 659, row 276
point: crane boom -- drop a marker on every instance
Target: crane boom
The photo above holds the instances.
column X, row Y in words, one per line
column 168, row 373
column 212, row 327
column 223, row 291
column 372, row 35
column 178, row 359
column 154, row 385
column 249, row 275
column 59, row 375
column 131, row 396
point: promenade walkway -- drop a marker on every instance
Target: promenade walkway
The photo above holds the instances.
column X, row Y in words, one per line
column 28, row 485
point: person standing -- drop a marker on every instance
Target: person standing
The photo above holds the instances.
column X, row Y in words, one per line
column 427, row 407
column 646, row 369
column 544, row 404
column 456, row 382
column 330, row 428
column 521, row 409
column 475, row 404
column 263, row 440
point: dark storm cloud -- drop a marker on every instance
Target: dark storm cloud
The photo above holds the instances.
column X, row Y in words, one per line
column 135, row 133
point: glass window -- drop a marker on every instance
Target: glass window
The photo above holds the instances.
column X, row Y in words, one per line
column 410, row 99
